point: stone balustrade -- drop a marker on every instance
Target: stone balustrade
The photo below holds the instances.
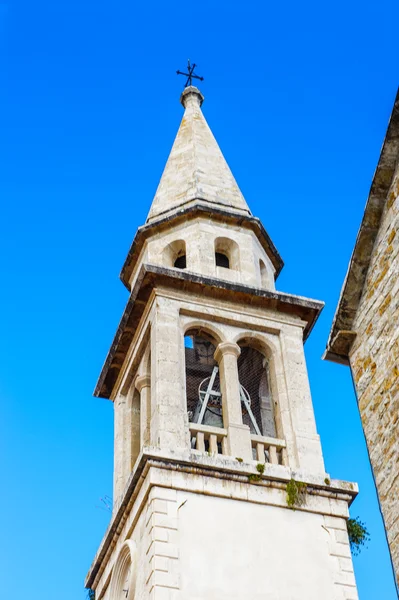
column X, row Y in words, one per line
column 213, row 440
column 208, row 439
column 268, row 449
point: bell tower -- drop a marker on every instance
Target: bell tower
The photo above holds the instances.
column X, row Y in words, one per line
column 220, row 489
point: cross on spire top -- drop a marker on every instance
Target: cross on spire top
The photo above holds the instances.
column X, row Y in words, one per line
column 190, row 75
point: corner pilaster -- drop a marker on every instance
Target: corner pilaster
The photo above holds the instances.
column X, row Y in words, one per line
column 306, row 439
column 168, row 426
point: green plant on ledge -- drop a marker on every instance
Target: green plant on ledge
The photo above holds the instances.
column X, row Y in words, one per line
column 358, row 535
column 91, row 594
column 296, row 493
column 261, row 469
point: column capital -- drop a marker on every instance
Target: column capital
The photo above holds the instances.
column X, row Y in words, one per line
column 226, row 348
column 142, row 381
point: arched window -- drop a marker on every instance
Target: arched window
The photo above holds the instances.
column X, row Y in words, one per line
column 264, row 276
column 222, row 260
column 226, row 253
column 204, row 400
column 174, row 255
column 255, row 392
column 180, row 262
column 124, row 573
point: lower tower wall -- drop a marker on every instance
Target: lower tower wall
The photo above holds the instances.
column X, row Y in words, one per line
column 202, row 533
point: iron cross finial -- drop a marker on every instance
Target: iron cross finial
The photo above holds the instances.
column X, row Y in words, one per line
column 190, row 75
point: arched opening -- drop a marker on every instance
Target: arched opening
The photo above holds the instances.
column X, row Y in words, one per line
column 143, row 386
column 146, row 401
column 204, row 399
column 264, row 276
column 135, row 430
column 255, row 391
column 222, row 260
column 174, row 255
column 124, row 573
column 180, row 262
column 226, row 253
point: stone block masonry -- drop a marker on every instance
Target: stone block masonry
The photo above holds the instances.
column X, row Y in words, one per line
column 162, row 576
column 374, row 360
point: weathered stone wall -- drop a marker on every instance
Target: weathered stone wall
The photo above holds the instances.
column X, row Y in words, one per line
column 213, row 534
column 199, row 238
column 374, row 360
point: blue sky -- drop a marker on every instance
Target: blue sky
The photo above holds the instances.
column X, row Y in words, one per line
column 298, row 96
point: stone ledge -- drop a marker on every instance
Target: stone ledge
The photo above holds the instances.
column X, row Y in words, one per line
column 339, row 347
column 198, row 209
column 151, row 276
column 225, row 469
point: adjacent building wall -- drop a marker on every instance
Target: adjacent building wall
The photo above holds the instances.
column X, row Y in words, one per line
column 374, row 359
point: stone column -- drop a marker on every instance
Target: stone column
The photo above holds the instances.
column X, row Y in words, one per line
column 238, row 434
column 143, row 385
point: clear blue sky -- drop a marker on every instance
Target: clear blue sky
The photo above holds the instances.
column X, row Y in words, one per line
column 298, row 96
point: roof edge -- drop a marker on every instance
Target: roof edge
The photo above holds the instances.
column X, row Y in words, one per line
column 355, row 278
column 151, row 275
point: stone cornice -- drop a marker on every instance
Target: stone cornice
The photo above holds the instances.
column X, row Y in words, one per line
column 200, row 208
column 151, row 276
column 222, row 468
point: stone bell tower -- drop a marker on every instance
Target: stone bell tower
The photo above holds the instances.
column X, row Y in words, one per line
column 213, row 413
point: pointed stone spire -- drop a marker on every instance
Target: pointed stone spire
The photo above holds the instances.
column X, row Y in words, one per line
column 196, row 171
